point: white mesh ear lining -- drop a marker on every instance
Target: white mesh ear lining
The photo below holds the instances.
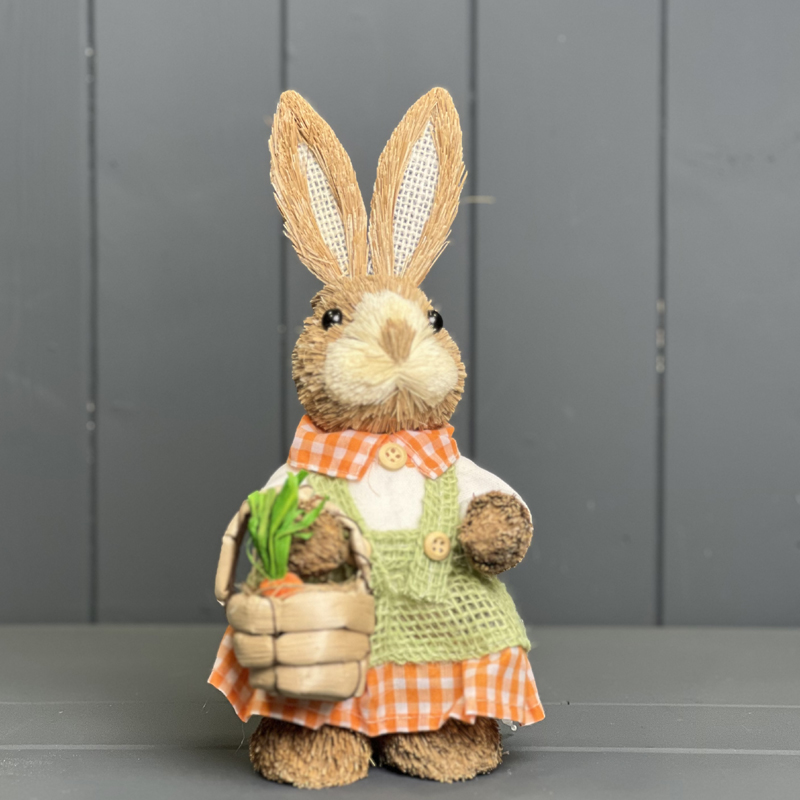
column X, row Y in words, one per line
column 414, row 199
column 323, row 205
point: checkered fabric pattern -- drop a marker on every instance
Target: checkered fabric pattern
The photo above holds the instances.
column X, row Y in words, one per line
column 400, row 698
column 349, row 454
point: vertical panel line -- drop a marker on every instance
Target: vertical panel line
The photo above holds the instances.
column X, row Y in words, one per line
column 661, row 314
column 472, row 282
column 283, row 257
column 91, row 403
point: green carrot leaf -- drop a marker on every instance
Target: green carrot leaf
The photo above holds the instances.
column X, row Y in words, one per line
column 261, row 538
column 275, row 517
column 283, row 502
column 312, row 515
column 306, row 522
column 282, row 547
column 269, row 499
column 260, row 506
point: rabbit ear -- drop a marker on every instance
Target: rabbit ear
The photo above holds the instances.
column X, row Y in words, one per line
column 317, row 192
column 420, row 177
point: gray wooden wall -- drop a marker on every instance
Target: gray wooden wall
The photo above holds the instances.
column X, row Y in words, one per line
column 623, row 152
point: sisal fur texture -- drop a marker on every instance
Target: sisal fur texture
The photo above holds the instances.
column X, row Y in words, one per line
column 288, row 753
column 456, row 752
column 433, row 114
column 373, row 356
column 326, row 551
column 383, row 367
column 300, row 136
column 496, row 532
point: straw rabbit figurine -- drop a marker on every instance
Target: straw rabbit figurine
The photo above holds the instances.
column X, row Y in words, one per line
column 379, row 378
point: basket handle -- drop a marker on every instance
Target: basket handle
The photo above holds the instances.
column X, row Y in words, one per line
column 234, row 535
column 359, row 547
column 229, row 554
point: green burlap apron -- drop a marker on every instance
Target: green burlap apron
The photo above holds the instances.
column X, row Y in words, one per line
column 430, row 610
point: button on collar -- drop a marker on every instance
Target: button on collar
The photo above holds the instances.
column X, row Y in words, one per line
column 392, row 455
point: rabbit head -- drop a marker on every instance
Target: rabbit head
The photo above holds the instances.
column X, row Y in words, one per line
column 374, row 355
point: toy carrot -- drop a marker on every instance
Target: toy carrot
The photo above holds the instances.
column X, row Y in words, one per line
column 275, row 518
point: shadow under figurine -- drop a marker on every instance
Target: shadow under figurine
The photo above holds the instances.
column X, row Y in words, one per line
column 389, row 639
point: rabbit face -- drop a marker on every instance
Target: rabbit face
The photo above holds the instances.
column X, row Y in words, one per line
column 374, row 356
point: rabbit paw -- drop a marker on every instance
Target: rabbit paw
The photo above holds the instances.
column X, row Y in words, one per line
column 324, row 552
column 496, row 532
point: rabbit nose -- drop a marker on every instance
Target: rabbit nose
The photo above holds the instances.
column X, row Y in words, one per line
column 396, row 338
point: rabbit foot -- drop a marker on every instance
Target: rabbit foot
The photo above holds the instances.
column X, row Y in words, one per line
column 288, row 753
column 456, row 752
column 496, row 532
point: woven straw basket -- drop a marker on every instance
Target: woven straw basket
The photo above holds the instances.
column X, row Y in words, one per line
column 312, row 644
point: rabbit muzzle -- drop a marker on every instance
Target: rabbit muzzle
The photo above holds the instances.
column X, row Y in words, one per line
column 389, row 346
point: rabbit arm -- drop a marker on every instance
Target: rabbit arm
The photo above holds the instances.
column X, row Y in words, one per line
column 324, row 552
column 496, row 526
column 496, row 532
column 327, row 549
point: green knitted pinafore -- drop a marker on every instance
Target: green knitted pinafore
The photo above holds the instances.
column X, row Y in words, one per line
column 430, row 610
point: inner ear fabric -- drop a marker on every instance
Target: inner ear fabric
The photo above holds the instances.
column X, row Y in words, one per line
column 414, row 199
column 323, row 206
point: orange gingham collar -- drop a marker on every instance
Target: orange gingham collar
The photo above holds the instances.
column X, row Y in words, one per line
column 349, row 454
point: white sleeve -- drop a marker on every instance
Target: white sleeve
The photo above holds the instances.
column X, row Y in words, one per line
column 472, row 481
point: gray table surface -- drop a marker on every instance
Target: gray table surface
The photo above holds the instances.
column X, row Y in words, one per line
column 124, row 711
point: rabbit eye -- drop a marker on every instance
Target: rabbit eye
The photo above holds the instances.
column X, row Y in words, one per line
column 331, row 317
column 436, row 321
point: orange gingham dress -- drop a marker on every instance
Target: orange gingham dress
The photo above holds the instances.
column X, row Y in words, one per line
column 399, row 698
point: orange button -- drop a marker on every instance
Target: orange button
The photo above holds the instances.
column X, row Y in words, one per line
column 392, row 455
column 437, row 546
